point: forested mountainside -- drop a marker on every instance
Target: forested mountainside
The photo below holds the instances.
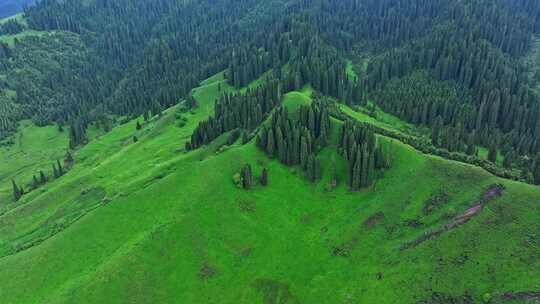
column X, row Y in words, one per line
column 283, row 151
column 465, row 59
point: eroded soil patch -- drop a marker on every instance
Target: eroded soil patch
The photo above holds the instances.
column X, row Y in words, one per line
column 490, row 194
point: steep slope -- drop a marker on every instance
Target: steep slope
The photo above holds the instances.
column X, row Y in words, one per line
column 147, row 222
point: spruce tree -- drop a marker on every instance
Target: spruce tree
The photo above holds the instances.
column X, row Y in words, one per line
column 42, row 177
column 436, row 131
column 245, row 138
column 264, row 177
column 60, row 169
column 138, row 126
column 247, row 177
column 68, row 158
column 17, row 192
column 270, row 145
column 35, row 182
column 55, row 171
column 508, row 159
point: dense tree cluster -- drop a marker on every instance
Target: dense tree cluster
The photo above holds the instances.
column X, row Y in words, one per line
column 48, row 79
column 11, row 27
column 158, row 59
column 497, row 108
column 442, row 106
column 296, row 142
column 452, row 66
column 232, row 111
column 59, row 168
column 364, row 155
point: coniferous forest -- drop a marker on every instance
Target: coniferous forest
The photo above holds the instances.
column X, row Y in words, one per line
column 453, row 67
column 376, row 134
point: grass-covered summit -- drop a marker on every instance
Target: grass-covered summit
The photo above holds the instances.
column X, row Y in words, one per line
column 147, row 222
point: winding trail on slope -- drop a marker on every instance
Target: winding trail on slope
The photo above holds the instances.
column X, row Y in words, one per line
column 493, row 192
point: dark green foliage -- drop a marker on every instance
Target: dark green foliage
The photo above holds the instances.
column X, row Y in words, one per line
column 59, row 168
column 77, row 134
column 245, row 138
column 138, row 126
column 364, row 156
column 292, row 142
column 452, row 66
column 55, row 171
column 296, row 141
column 35, row 182
column 233, row 137
column 264, row 177
column 42, row 177
column 11, row 27
column 68, row 158
column 135, row 139
column 452, row 59
column 245, row 111
column 53, row 78
column 132, row 67
column 509, row 159
column 246, row 175
column 17, row 192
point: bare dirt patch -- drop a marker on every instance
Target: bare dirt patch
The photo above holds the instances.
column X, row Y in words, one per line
column 373, row 220
column 527, row 296
column 247, row 206
column 207, row 272
column 490, row 194
column 275, row 292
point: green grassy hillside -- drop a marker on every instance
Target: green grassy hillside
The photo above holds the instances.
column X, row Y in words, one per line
column 147, row 222
column 34, row 149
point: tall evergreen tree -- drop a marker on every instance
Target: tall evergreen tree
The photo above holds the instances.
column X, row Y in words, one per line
column 17, row 192
column 264, row 177
column 42, row 177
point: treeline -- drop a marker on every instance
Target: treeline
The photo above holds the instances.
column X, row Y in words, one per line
column 127, row 67
column 364, row 155
column 58, row 170
column 502, row 109
column 308, row 60
column 11, row 27
column 161, row 57
column 442, row 106
column 51, row 80
column 233, row 111
column 297, row 142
